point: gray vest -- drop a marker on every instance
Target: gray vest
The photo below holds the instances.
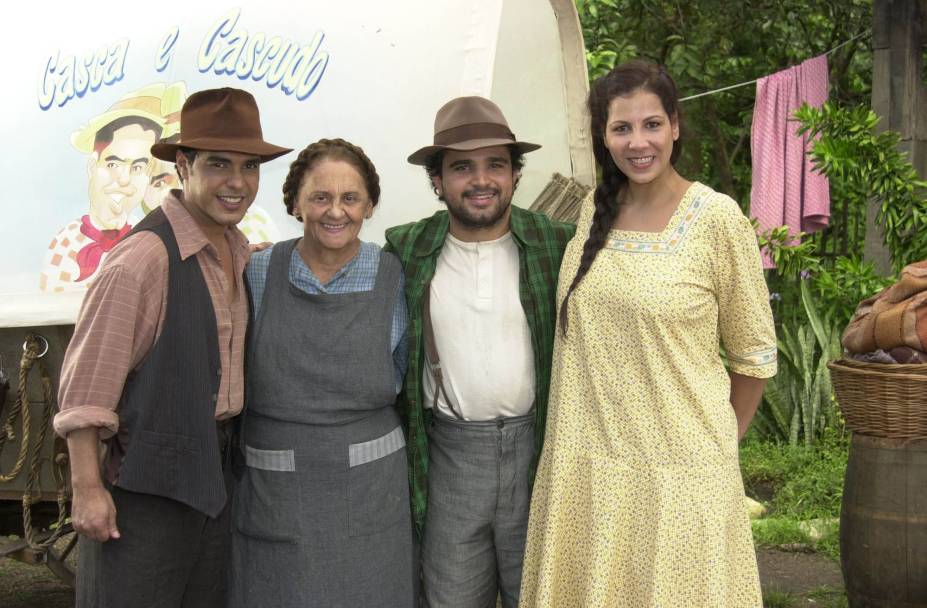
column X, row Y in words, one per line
column 168, row 405
column 336, row 345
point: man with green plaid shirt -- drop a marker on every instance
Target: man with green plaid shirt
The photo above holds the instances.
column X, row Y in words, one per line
column 481, row 282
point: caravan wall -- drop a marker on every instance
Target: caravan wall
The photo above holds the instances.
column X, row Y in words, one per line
column 371, row 72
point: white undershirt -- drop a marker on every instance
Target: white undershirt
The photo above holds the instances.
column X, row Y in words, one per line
column 481, row 332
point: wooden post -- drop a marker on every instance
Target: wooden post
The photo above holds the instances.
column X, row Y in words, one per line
column 899, row 95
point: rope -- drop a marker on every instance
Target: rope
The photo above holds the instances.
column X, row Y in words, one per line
column 29, row 356
column 32, row 492
column 4, row 387
column 59, row 465
column 749, row 82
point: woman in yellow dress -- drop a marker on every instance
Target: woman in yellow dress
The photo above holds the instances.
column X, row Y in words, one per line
column 638, row 499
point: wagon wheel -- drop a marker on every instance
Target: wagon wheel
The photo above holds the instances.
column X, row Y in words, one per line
column 61, row 558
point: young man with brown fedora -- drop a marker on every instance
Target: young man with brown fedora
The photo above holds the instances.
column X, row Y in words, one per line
column 154, row 370
column 481, row 280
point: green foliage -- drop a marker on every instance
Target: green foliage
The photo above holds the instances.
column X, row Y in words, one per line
column 792, row 254
column 815, row 490
column 806, row 482
column 821, row 597
column 798, row 402
column 784, row 532
column 828, row 597
column 778, row 599
column 767, row 463
column 800, row 483
column 868, row 165
column 861, row 166
column 840, row 288
column 779, row 531
column 712, row 43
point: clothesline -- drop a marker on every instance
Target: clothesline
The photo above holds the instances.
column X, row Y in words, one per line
column 749, row 82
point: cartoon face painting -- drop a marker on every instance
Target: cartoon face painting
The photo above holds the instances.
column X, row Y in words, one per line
column 119, row 173
column 162, row 180
column 120, row 169
column 125, row 182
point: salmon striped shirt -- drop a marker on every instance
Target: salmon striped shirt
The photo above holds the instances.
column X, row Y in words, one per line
column 123, row 313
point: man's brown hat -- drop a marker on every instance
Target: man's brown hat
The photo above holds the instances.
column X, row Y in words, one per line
column 224, row 120
column 469, row 123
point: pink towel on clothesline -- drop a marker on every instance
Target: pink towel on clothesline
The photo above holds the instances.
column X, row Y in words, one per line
column 786, row 190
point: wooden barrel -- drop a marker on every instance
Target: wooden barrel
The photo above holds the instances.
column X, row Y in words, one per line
column 883, row 523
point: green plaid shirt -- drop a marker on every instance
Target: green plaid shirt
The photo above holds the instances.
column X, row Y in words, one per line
column 540, row 242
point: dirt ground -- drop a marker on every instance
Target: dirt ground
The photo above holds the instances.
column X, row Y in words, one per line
column 797, row 573
column 24, row 586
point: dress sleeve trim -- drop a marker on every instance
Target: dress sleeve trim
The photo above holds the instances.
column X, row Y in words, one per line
column 757, row 358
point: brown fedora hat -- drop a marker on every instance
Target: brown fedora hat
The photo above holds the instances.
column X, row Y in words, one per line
column 224, row 120
column 469, row 123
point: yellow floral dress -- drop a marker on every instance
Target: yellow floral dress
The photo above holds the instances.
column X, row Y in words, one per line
column 638, row 499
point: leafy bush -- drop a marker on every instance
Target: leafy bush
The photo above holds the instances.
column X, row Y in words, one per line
column 868, row 165
column 841, row 287
column 861, row 166
column 799, row 402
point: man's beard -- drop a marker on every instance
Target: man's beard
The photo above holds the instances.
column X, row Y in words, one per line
column 460, row 212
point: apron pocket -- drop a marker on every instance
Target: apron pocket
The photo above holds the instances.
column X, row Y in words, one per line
column 267, row 498
column 378, row 484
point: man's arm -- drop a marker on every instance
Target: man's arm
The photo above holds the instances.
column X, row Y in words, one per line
column 93, row 513
column 116, row 327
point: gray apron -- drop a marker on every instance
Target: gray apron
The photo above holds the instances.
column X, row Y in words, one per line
column 321, row 514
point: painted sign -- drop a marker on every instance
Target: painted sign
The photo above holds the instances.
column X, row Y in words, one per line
column 88, row 92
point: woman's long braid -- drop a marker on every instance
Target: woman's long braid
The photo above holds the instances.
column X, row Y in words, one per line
column 620, row 81
column 606, row 209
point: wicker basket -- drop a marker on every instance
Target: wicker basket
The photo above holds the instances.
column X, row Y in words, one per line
column 882, row 399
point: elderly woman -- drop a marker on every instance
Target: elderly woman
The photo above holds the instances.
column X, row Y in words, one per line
column 322, row 510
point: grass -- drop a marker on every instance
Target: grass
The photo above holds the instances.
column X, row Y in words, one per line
column 778, row 599
column 823, row 597
column 788, row 533
column 798, row 483
column 806, row 482
column 778, row 531
column 827, row 597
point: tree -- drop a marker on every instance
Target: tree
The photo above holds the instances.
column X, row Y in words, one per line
column 707, row 44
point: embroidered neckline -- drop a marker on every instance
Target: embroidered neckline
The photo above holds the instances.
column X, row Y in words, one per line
column 673, row 236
